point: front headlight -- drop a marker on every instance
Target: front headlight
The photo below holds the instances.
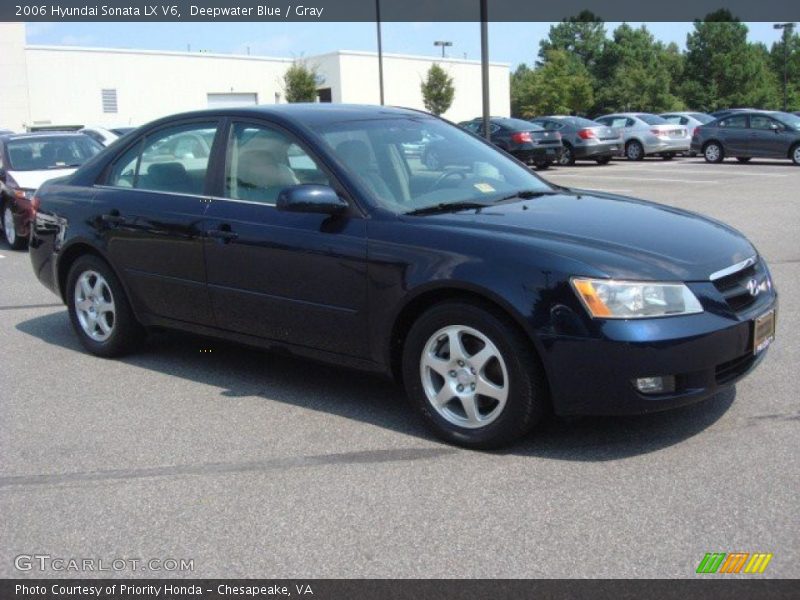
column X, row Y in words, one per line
column 609, row 299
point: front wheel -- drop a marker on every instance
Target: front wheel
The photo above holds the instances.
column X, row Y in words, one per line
column 603, row 160
column 795, row 154
column 10, row 229
column 543, row 165
column 567, row 157
column 473, row 376
column 99, row 309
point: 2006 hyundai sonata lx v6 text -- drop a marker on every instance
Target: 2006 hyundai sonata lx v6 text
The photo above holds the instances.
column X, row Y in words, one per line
column 493, row 295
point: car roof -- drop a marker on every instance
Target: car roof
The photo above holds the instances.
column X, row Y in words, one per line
column 306, row 113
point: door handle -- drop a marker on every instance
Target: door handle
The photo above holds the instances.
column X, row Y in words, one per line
column 113, row 218
column 223, row 235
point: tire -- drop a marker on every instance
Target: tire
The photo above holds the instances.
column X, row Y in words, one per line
column 92, row 283
column 543, row 165
column 521, row 393
column 567, row 156
column 667, row 156
column 743, row 159
column 794, row 154
column 603, row 160
column 15, row 241
column 634, row 150
column 713, row 152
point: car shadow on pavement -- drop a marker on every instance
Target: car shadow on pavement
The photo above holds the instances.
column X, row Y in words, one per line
column 246, row 372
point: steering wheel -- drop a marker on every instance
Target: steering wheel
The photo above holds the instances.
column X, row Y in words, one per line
column 447, row 174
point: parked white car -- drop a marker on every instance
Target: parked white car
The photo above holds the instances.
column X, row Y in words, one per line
column 105, row 135
column 645, row 134
column 689, row 119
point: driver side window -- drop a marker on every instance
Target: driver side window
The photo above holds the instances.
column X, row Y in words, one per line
column 262, row 161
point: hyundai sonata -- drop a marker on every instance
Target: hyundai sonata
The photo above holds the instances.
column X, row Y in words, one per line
column 493, row 295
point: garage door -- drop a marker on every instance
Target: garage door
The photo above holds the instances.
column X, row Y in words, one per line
column 227, row 100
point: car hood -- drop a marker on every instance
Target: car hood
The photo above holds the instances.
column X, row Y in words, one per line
column 31, row 180
column 614, row 236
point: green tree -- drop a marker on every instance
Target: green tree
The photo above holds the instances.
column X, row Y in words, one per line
column 638, row 73
column 561, row 84
column 583, row 36
column 300, row 83
column 437, row 90
column 723, row 69
column 793, row 68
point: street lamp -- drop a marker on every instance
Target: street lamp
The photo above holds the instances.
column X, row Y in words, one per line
column 787, row 33
column 443, row 44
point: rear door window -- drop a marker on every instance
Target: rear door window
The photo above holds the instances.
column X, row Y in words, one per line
column 173, row 159
column 734, row 122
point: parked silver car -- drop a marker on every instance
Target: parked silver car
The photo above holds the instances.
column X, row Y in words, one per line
column 646, row 134
column 689, row 119
column 583, row 139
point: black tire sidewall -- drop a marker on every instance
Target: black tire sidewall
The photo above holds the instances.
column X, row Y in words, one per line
column 527, row 396
column 127, row 333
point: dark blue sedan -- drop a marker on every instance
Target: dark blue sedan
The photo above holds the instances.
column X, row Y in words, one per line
column 493, row 295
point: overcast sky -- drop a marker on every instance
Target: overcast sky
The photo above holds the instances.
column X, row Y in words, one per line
column 509, row 42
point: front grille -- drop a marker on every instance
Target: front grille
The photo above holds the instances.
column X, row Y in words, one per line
column 737, row 287
column 732, row 369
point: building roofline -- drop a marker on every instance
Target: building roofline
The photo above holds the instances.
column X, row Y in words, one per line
column 102, row 50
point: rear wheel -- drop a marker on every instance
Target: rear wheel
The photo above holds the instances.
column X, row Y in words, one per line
column 743, row 159
column 634, row 150
column 567, row 156
column 713, row 152
column 543, row 165
column 10, row 229
column 473, row 376
column 99, row 309
column 668, row 156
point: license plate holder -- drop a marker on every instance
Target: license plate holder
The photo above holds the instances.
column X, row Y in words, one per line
column 763, row 331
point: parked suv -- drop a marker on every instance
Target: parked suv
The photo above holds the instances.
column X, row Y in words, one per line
column 746, row 135
column 647, row 135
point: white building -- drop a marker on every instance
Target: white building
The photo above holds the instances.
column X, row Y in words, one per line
column 66, row 85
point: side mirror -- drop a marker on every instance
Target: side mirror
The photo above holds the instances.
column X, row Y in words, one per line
column 775, row 127
column 311, row 198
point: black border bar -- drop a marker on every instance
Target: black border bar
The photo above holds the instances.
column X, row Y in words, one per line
column 392, row 10
column 706, row 587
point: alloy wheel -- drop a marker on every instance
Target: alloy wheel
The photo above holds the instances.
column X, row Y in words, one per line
column 796, row 155
column 566, row 157
column 94, row 306
column 712, row 153
column 464, row 376
column 634, row 151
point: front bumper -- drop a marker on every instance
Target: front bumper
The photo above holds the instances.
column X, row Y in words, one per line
column 706, row 353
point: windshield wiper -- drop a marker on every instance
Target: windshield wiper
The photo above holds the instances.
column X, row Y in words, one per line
column 526, row 195
column 444, row 207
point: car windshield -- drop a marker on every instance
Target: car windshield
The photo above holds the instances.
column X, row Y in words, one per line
column 789, row 119
column 651, row 119
column 702, row 117
column 42, row 153
column 453, row 166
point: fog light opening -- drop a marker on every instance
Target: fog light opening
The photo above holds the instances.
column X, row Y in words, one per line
column 655, row 385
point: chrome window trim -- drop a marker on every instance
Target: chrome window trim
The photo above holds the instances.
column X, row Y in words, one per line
column 734, row 268
column 146, row 191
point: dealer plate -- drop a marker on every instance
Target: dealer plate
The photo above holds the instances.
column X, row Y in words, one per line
column 763, row 331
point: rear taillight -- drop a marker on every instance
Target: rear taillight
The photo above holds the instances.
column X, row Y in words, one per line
column 658, row 132
column 521, row 137
column 587, row 134
column 35, row 204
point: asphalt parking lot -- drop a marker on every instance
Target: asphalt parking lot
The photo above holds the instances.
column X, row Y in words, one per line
column 252, row 464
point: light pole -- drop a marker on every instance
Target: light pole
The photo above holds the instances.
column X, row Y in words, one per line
column 443, row 44
column 485, row 66
column 787, row 34
column 380, row 47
